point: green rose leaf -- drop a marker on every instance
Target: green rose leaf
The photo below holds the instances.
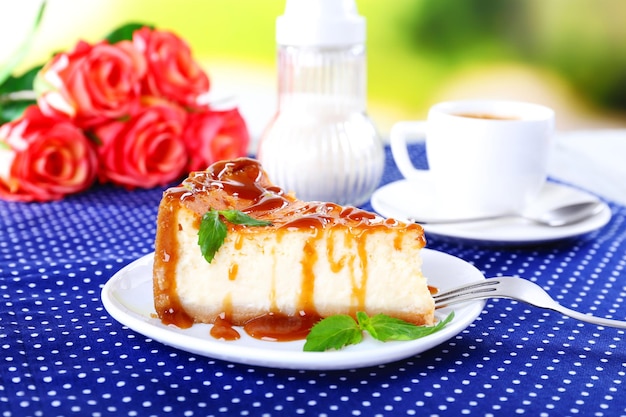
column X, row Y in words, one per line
column 23, row 82
column 16, row 95
column 125, row 32
column 13, row 110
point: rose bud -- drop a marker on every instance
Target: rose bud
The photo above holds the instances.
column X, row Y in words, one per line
column 146, row 149
column 91, row 83
column 172, row 73
column 44, row 159
column 215, row 135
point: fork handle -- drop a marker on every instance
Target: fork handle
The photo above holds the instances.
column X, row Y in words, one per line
column 589, row 318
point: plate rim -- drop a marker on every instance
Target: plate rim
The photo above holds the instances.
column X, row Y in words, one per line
column 456, row 232
column 346, row 358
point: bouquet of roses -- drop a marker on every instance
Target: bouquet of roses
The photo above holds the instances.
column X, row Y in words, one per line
column 128, row 110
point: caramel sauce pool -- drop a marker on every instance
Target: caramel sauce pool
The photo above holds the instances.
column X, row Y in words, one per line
column 271, row 327
column 223, row 329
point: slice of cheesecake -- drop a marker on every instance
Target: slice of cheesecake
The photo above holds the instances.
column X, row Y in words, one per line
column 314, row 258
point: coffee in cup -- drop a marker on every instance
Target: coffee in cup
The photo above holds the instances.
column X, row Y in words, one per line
column 485, row 157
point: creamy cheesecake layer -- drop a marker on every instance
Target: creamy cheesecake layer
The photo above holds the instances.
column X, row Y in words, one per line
column 315, row 258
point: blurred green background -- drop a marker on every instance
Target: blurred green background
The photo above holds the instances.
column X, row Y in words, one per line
column 568, row 54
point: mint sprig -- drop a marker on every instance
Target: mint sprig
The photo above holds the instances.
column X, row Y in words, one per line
column 336, row 332
column 213, row 230
column 333, row 332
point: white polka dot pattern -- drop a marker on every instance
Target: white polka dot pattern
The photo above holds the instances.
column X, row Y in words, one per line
column 63, row 355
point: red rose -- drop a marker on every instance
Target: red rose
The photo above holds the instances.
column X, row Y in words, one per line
column 215, row 135
column 172, row 72
column 91, row 83
column 146, row 149
column 44, row 159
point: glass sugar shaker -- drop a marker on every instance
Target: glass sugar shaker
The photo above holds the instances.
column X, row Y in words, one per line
column 321, row 144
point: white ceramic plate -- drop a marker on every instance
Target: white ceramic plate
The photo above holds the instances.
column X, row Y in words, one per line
column 127, row 296
column 402, row 200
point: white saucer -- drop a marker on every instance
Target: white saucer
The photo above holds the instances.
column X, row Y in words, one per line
column 401, row 200
column 127, row 296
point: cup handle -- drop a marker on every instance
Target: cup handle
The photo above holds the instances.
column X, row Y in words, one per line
column 398, row 140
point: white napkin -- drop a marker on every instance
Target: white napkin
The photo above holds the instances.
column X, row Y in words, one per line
column 594, row 160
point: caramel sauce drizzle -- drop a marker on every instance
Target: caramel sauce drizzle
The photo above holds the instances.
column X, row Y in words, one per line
column 307, row 287
column 359, row 289
column 242, row 184
column 336, row 265
column 239, row 242
column 167, row 302
column 232, row 272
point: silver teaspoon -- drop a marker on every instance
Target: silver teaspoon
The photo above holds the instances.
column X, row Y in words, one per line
column 555, row 217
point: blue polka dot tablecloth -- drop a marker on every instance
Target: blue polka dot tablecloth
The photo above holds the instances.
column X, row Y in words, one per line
column 62, row 354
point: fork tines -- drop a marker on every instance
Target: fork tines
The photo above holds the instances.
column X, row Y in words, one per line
column 472, row 291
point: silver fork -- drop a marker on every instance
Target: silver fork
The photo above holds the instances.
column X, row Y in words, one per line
column 517, row 289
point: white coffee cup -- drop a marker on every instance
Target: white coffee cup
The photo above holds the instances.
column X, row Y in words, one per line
column 485, row 157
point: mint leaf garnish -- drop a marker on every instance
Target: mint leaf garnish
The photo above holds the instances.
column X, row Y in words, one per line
column 385, row 328
column 212, row 232
column 333, row 332
column 336, row 332
column 238, row 217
